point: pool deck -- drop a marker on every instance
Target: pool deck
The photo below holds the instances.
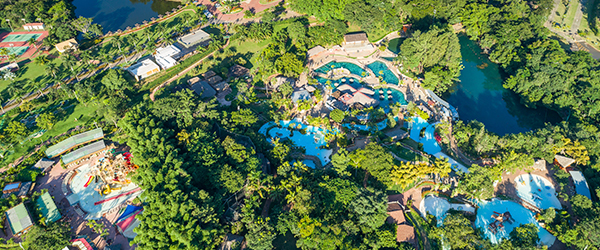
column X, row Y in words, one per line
column 508, row 186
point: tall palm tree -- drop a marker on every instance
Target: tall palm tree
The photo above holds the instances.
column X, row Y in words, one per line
column 118, row 40
column 41, row 60
column 33, row 42
column 51, row 69
column 147, row 32
column 4, row 52
column 86, row 57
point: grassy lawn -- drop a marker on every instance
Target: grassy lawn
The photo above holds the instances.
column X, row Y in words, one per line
column 265, row 2
column 570, row 15
column 76, row 115
column 373, row 36
column 406, row 153
column 32, row 76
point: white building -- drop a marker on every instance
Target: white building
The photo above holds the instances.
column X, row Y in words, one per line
column 169, row 51
column 70, row 44
column 34, row 26
column 165, row 56
column 165, row 62
column 143, row 69
column 196, row 37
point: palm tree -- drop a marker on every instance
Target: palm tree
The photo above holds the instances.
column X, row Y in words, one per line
column 70, row 61
column 4, row 52
column 118, row 40
column 86, row 57
column 32, row 41
column 51, row 69
column 147, row 32
column 41, row 60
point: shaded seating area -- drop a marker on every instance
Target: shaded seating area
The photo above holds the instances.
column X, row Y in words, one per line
column 74, row 141
column 48, row 208
column 83, row 152
column 18, row 219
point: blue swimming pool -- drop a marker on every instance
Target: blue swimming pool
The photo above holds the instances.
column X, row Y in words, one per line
column 520, row 215
column 380, row 69
column 537, row 190
column 355, row 83
column 312, row 141
column 353, row 68
column 383, row 96
column 430, row 145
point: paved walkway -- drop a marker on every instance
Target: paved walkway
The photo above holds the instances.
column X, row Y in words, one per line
column 253, row 5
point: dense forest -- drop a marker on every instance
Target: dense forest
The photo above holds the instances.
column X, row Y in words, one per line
column 203, row 166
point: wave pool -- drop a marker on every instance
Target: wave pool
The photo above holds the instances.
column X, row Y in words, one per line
column 537, row 190
column 520, row 214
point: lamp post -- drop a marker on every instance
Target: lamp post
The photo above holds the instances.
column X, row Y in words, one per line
column 11, row 28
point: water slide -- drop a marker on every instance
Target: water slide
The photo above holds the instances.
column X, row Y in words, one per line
column 117, row 196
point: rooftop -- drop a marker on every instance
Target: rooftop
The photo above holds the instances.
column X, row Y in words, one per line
column 18, row 218
column 48, row 208
column 170, row 50
column 300, row 95
column 72, row 141
column 315, row 51
column 563, row 160
column 68, row 44
column 214, row 80
column 356, row 37
column 43, row 164
column 194, row 38
column 238, row 71
column 84, row 151
column 144, row 68
column 202, row 88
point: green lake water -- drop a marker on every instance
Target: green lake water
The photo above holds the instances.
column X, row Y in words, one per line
column 480, row 96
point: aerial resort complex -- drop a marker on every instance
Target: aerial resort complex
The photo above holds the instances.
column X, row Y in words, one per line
column 299, row 124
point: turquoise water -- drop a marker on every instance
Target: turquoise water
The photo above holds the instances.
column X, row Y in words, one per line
column 397, row 96
column 480, row 96
column 312, row 141
column 430, row 145
column 380, row 69
column 353, row 68
column 537, row 190
column 520, row 214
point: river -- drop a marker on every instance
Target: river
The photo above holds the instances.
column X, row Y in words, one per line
column 480, row 96
column 118, row 14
